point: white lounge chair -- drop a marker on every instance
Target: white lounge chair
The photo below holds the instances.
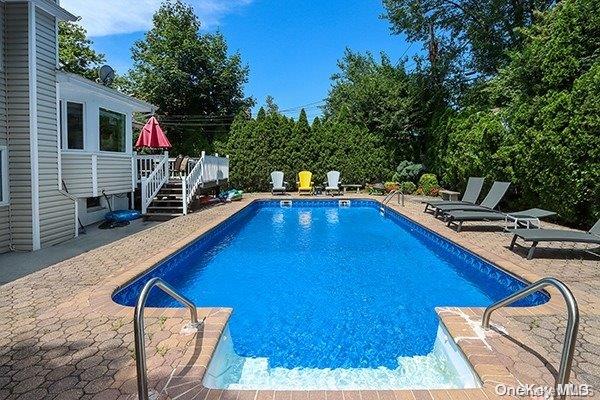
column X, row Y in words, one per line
column 277, row 183
column 333, row 183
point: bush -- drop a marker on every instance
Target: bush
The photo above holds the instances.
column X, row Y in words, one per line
column 408, row 187
column 408, row 171
column 274, row 142
column 540, row 130
column 429, row 185
column 391, row 186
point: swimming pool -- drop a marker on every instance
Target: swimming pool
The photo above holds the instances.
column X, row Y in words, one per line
column 331, row 297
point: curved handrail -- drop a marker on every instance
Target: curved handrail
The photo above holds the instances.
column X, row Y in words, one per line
column 151, row 184
column 191, row 182
column 138, row 329
column 391, row 195
column 572, row 322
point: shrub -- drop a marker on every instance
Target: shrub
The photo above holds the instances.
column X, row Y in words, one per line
column 408, row 187
column 391, row 186
column 429, row 184
column 271, row 141
column 540, row 130
column 407, row 171
column 375, row 191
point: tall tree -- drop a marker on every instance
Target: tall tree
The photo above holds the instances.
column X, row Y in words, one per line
column 474, row 34
column 189, row 75
column 75, row 51
column 392, row 104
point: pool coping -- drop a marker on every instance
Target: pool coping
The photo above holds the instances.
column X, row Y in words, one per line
column 461, row 323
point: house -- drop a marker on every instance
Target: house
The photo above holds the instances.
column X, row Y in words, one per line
column 97, row 162
column 64, row 140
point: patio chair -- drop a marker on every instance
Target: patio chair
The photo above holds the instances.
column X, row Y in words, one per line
column 333, row 183
column 277, row 183
column 554, row 235
column 470, row 196
column 459, row 216
column 490, row 202
column 305, row 183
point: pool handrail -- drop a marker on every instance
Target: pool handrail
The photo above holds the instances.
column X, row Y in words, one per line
column 566, row 359
column 390, row 196
column 138, row 330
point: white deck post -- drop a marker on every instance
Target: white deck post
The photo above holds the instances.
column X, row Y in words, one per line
column 144, row 194
column 184, row 194
column 134, row 170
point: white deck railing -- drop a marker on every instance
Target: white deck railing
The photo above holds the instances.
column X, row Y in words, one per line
column 146, row 164
column 215, row 168
column 192, row 181
column 207, row 170
column 152, row 183
column 153, row 171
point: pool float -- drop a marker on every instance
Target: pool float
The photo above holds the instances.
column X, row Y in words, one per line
column 231, row 195
column 122, row 215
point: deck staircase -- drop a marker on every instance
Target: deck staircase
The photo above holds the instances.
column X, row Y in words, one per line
column 167, row 194
column 168, row 203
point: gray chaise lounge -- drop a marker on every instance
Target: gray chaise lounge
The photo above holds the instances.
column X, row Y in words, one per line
column 555, row 235
column 460, row 216
column 471, row 195
column 496, row 193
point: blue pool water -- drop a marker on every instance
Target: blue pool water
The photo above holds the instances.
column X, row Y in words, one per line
column 318, row 286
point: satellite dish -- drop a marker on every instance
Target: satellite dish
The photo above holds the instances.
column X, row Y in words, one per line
column 106, row 75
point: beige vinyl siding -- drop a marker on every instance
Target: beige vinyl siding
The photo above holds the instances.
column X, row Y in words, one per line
column 17, row 106
column 4, row 232
column 114, row 173
column 77, row 173
column 4, row 225
column 2, row 81
column 57, row 212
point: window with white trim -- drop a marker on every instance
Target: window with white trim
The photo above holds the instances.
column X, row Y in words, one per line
column 3, row 175
column 112, row 131
column 74, row 126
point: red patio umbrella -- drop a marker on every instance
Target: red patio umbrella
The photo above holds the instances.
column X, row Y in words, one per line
column 152, row 136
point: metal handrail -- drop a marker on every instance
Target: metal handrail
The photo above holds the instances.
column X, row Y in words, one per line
column 572, row 322
column 391, row 195
column 138, row 329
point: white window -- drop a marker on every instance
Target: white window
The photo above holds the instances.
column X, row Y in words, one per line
column 3, row 175
column 112, row 131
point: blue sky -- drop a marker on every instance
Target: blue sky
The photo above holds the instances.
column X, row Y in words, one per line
column 291, row 46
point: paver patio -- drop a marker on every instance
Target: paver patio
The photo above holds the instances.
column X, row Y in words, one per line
column 62, row 337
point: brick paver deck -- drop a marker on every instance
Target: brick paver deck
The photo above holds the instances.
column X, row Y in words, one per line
column 62, row 337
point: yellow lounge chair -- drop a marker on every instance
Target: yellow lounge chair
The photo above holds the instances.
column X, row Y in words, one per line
column 305, row 183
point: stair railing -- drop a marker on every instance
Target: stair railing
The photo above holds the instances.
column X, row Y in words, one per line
column 151, row 184
column 192, row 181
column 139, row 335
column 566, row 359
column 145, row 164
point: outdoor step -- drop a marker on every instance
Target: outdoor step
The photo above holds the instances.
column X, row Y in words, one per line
column 165, row 208
column 169, row 195
column 170, row 191
column 173, row 184
column 169, row 199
